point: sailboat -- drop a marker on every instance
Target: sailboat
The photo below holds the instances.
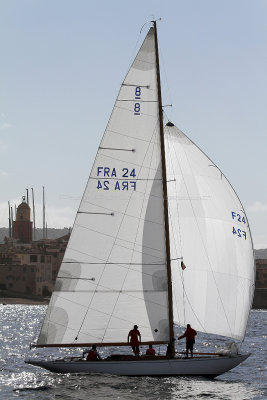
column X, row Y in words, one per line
column 160, row 237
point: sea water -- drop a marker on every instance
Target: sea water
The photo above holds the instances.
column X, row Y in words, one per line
column 20, row 325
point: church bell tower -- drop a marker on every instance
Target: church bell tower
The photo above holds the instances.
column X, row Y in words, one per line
column 22, row 227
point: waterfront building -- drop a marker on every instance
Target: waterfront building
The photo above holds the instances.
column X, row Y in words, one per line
column 261, row 273
column 29, row 268
column 260, row 296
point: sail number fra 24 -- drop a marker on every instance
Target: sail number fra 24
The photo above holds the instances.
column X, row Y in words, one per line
column 123, row 181
column 236, row 231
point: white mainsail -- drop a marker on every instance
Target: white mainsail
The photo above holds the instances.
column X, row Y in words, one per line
column 210, row 231
column 113, row 274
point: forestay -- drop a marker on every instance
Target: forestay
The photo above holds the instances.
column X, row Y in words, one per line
column 113, row 273
column 210, row 230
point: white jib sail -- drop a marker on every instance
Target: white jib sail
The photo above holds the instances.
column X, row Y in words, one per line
column 209, row 229
column 113, row 273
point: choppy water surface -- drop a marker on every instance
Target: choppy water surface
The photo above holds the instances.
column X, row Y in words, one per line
column 20, row 324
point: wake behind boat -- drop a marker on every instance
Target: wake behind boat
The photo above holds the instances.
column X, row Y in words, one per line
column 160, row 237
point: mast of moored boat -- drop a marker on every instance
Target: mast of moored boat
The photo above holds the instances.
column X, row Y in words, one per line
column 165, row 195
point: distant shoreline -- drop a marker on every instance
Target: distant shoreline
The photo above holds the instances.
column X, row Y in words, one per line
column 18, row 300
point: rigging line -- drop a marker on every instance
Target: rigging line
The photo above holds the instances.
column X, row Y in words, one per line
column 197, row 224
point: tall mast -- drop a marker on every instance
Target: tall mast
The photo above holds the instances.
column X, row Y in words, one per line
column 33, row 214
column 43, row 213
column 11, row 211
column 165, row 195
column 9, row 219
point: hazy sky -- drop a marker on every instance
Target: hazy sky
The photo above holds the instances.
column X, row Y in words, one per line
column 61, row 66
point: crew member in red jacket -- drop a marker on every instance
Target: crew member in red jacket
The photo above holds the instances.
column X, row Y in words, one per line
column 189, row 334
column 133, row 335
column 150, row 351
column 92, row 354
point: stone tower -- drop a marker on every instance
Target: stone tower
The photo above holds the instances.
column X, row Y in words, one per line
column 22, row 227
